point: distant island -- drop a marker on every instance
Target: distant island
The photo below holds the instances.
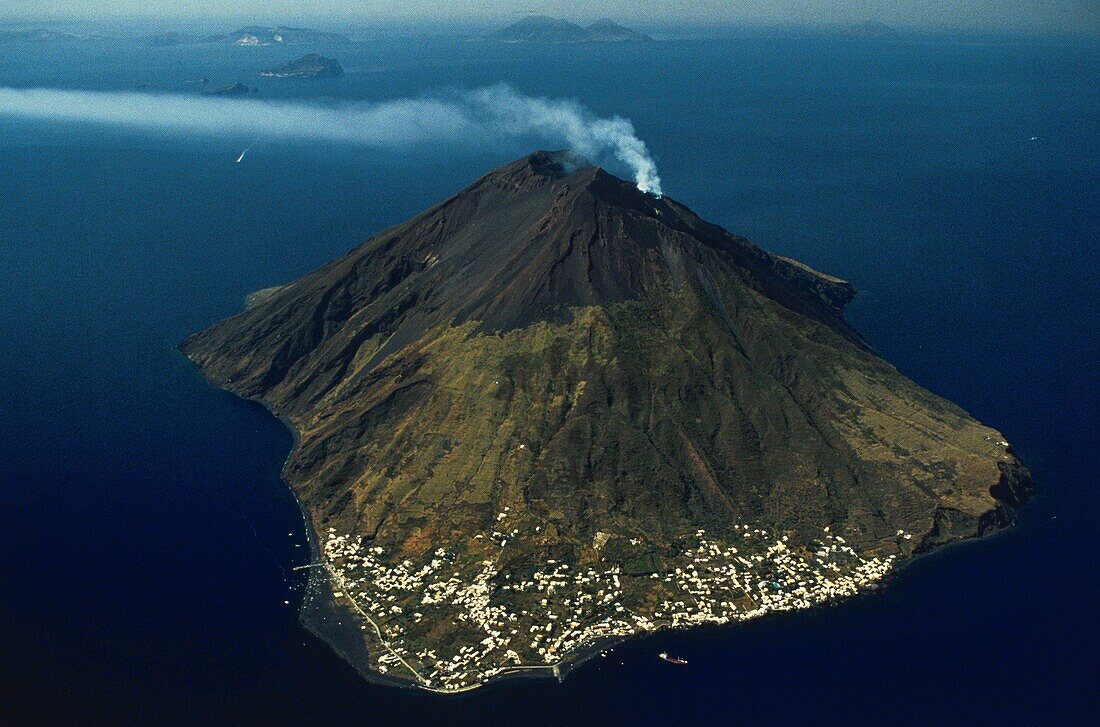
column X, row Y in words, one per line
column 42, row 35
column 249, row 36
column 556, row 411
column 235, row 89
column 308, row 66
column 254, row 35
column 875, row 30
column 543, row 29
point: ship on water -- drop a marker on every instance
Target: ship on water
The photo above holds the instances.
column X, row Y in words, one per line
column 672, row 659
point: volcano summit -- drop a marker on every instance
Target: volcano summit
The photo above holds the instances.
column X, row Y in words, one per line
column 555, row 411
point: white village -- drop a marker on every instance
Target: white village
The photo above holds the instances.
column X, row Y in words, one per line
column 563, row 612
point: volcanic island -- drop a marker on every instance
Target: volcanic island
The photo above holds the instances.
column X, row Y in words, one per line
column 554, row 412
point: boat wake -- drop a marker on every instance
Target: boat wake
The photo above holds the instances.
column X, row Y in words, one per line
column 241, row 157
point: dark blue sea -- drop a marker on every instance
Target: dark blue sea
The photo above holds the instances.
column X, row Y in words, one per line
column 147, row 540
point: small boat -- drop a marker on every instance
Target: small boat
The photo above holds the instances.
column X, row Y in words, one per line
column 672, row 659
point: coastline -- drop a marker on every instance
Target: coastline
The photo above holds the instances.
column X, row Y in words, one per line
column 343, row 638
column 324, row 618
column 341, row 630
column 321, row 615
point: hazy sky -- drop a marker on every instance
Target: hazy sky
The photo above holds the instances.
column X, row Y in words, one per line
column 1012, row 15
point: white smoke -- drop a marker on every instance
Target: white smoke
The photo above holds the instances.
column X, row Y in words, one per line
column 582, row 131
column 454, row 118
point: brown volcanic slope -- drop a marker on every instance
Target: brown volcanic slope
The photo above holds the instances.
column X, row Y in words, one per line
column 598, row 374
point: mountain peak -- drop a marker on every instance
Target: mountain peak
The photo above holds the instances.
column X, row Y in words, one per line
column 573, row 171
column 550, row 164
column 529, row 241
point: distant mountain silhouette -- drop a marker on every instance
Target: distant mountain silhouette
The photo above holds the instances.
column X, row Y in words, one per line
column 543, row 29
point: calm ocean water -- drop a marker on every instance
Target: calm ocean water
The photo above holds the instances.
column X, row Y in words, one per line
column 147, row 540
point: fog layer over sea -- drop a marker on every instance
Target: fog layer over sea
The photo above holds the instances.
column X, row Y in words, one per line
column 148, row 542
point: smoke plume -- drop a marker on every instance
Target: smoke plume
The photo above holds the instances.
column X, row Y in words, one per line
column 454, row 118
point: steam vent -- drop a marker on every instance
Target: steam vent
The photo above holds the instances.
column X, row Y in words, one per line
column 553, row 412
